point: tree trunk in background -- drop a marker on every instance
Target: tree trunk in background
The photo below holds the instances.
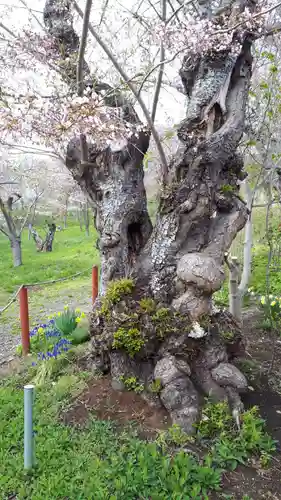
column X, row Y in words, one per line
column 80, row 215
column 16, row 250
column 48, row 243
column 176, row 336
column 29, row 231
column 248, row 243
column 65, row 214
column 38, row 240
column 235, row 300
column 86, row 219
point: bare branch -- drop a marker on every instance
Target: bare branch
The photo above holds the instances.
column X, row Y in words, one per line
column 157, row 66
column 33, row 150
column 82, row 47
column 7, row 30
column 161, row 67
column 146, row 113
column 2, row 230
column 32, row 14
column 29, row 210
column 155, row 10
column 103, row 11
column 175, row 13
column 8, row 218
column 7, row 182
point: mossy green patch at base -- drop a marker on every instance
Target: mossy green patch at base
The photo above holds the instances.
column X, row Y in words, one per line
column 115, row 291
column 130, row 340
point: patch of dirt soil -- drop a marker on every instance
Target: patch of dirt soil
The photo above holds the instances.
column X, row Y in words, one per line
column 121, row 407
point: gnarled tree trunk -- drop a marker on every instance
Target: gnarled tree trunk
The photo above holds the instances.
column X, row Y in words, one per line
column 16, row 250
column 45, row 245
column 179, row 339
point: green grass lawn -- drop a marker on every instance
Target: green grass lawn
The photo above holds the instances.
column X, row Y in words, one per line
column 72, row 252
column 100, row 461
column 95, row 462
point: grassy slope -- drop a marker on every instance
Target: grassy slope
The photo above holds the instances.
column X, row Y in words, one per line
column 73, row 251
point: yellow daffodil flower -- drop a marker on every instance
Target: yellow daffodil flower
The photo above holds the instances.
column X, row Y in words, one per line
column 83, row 315
column 40, row 330
column 66, row 307
column 273, row 303
column 77, row 310
column 78, row 320
column 59, row 314
column 263, row 300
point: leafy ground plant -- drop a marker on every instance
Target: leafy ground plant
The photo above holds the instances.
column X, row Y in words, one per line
column 228, row 446
column 98, row 462
column 79, row 463
column 270, row 305
column 51, row 339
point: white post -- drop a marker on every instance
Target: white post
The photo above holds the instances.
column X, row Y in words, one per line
column 28, row 427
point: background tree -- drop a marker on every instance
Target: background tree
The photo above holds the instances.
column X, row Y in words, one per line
column 12, row 225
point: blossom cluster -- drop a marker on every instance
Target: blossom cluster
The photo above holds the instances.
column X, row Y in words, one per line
column 208, row 34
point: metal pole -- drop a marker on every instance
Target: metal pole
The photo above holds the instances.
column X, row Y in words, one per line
column 24, row 319
column 95, row 283
column 28, row 427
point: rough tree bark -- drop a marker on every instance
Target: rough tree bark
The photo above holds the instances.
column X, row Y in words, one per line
column 45, row 245
column 86, row 218
column 16, row 250
column 179, row 338
column 11, row 232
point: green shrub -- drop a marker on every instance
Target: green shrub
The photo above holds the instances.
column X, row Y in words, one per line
column 80, row 335
column 115, row 292
column 66, row 322
column 156, row 386
column 229, row 446
column 148, row 305
column 131, row 340
column 132, row 384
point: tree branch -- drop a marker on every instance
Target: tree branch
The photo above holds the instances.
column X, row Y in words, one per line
column 32, row 14
column 161, row 67
column 8, row 219
column 157, row 66
column 7, row 30
column 7, row 182
column 146, row 113
column 82, row 47
column 176, row 11
column 4, row 232
column 28, row 211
